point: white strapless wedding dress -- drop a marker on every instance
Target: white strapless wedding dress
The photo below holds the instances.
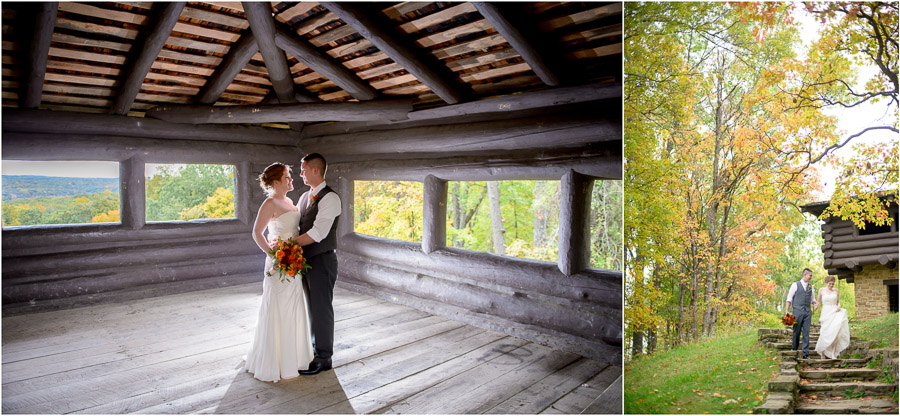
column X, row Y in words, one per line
column 282, row 344
column 834, row 334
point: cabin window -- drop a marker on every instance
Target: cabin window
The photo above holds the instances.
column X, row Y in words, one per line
column 184, row 192
column 606, row 225
column 528, row 212
column 60, row 192
column 389, row 209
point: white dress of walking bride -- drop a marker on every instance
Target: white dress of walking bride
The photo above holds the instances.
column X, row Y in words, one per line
column 834, row 334
column 282, row 344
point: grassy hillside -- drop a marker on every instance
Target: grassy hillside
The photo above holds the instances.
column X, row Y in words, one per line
column 728, row 374
column 28, row 186
column 883, row 331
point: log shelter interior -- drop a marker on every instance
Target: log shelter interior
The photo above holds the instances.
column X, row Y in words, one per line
column 419, row 91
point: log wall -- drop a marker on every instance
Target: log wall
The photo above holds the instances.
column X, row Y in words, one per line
column 564, row 304
column 61, row 266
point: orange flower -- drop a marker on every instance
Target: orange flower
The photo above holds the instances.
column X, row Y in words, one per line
column 279, row 254
column 291, row 272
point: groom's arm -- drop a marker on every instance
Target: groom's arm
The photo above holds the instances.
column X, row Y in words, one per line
column 329, row 209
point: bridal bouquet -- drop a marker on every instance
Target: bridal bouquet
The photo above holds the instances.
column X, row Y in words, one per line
column 289, row 260
column 788, row 320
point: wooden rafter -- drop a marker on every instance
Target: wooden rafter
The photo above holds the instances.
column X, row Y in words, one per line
column 38, row 50
column 425, row 68
column 153, row 43
column 279, row 113
column 514, row 36
column 325, row 65
column 263, row 26
column 238, row 57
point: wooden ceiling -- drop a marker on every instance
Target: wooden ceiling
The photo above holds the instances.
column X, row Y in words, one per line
column 127, row 57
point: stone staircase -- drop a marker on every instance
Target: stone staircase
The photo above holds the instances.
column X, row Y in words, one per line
column 820, row 385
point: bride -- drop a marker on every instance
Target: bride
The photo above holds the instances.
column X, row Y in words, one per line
column 834, row 334
column 282, row 345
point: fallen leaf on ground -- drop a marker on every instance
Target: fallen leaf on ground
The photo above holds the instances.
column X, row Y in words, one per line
column 729, row 401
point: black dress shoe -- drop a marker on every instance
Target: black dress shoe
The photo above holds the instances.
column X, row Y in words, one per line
column 315, row 367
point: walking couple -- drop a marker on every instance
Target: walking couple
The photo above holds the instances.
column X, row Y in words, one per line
column 296, row 312
column 834, row 331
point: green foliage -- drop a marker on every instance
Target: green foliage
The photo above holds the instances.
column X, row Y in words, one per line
column 853, row 394
column 29, row 186
column 722, row 375
column 882, row 330
column 606, row 225
column 218, row 205
column 175, row 190
column 77, row 209
column 389, row 209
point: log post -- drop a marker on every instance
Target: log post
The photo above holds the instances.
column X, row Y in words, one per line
column 38, row 51
column 131, row 193
column 242, row 182
column 434, row 214
column 574, row 233
column 348, row 216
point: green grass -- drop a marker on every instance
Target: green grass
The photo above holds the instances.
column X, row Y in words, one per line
column 728, row 374
column 883, row 331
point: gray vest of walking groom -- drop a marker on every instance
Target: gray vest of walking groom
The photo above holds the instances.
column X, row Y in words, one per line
column 803, row 314
column 319, row 253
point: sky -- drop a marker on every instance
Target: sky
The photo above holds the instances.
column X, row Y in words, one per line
column 69, row 169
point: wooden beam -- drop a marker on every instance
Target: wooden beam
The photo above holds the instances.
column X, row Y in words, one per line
column 65, row 123
column 38, row 51
column 325, row 65
column 514, row 102
column 434, row 214
column 426, row 69
column 238, row 57
column 263, row 27
column 526, row 50
column 574, row 231
column 280, row 113
column 153, row 42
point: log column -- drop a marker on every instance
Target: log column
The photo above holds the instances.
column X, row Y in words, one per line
column 434, row 214
column 131, row 193
column 346, row 191
column 574, row 232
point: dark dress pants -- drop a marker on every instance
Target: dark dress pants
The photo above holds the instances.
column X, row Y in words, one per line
column 319, row 282
column 803, row 318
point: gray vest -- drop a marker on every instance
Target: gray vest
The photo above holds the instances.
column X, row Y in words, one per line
column 802, row 297
column 308, row 217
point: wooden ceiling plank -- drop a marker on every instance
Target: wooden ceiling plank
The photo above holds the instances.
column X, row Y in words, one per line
column 581, row 17
column 85, row 9
column 295, row 10
column 365, row 60
column 236, row 87
column 379, row 70
column 485, row 59
column 174, row 78
column 11, row 46
column 298, row 67
column 80, row 67
column 75, row 109
column 43, row 21
column 349, row 48
column 241, row 97
column 390, row 82
column 299, row 112
column 95, row 28
column 433, row 74
column 191, row 58
column 206, row 32
column 149, row 86
column 496, row 72
column 152, row 43
column 332, row 35
column 325, row 65
column 451, row 34
column 213, row 17
column 517, row 39
column 263, row 27
column 334, row 95
column 187, row 69
column 93, row 43
column 432, row 19
column 237, row 58
column 417, row 89
column 252, row 79
column 597, row 52
column 593, row 34
column 72, row 89
column 164, row 98
column 476, row 45
column 86, row 56
column 67, row 99
column 311, row 24
column 196, row 44
column 80, row 79
column 400, row 10
column 233, row 5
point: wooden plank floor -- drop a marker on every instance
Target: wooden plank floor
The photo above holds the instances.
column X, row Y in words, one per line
column 183, row 354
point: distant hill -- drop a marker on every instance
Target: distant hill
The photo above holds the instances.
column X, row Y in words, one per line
column 30, row 186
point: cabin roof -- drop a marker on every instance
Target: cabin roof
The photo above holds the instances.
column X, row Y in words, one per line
column 435, row 53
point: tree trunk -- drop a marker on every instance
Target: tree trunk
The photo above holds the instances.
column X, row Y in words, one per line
column 651, row 341
column 498, row 242
column 713, row 210
column 637, row 344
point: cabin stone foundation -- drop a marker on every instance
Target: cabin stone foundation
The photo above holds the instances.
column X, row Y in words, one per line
column 871, row 292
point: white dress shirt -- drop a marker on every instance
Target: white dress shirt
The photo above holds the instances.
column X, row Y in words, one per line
column 329, row 209
column 790, row 296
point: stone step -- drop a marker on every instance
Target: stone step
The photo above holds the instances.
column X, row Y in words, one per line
column 840, row 374
column 834, row 363
column 846, row 406
column 848, row 389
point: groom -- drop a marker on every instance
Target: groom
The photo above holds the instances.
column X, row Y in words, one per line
column 320, row 208
column 800, row 296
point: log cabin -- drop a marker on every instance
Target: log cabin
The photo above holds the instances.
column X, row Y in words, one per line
column 421, row 91
column 866, row 257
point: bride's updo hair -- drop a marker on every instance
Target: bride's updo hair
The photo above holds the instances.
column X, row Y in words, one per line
column 272, row 173
column 829, row 279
